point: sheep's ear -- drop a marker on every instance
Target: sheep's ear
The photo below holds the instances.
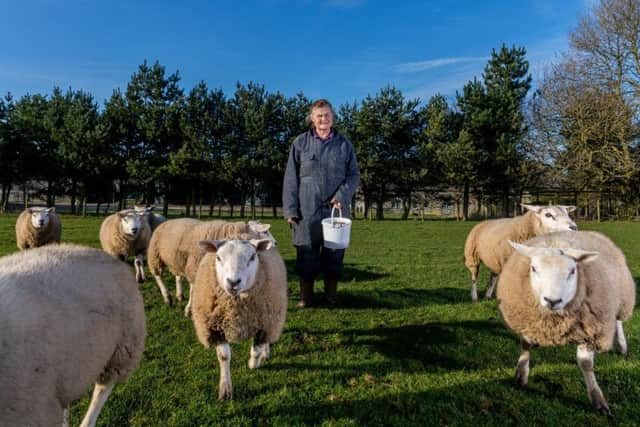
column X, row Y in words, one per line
column 122, row 215
column 569, row 209
column 51, row 209
column 211, row 245
column 262, row 244
column 532, row 208
column 580, row 255
column 525, row 250
column 30, row 210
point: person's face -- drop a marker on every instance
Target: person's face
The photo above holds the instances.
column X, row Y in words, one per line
column 322, row 118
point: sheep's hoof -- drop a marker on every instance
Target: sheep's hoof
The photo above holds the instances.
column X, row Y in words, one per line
column 225, row 392
column 256, row 362
column 599, row 403
column 522, row 375
column 179, row 297
column 187, row 311
column 139, row 277
column 168, row 301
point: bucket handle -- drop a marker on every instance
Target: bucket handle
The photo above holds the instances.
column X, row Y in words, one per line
column 332, row 210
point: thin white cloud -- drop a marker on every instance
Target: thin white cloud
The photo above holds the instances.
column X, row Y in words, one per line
column 414, row 67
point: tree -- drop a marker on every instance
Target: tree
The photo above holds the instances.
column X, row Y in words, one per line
column 507, row 84
column 156, row 103
column 387, row 126
column 33, row 118
column 199, row 160
column 17, row 154
column 587, row 129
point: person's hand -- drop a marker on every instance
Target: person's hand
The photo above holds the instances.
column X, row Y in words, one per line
column 292, row 220
column 336, row 203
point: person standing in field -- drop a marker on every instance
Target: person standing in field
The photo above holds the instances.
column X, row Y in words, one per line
column 321, row 173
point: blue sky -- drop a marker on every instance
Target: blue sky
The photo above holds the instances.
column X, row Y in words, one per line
column 342, row 50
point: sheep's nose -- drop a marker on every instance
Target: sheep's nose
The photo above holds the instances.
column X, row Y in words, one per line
column 134, row 230
column 40, row 223
column 573, row 227
column 233, row 283
column 553, row 302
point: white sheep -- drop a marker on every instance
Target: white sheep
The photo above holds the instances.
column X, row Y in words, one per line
column 568, row 288
column 70, row 316
column 152, row 218
column 125, row 234
column 487, row 241
column 174, row 246
column 37, row 227
column 240, row 292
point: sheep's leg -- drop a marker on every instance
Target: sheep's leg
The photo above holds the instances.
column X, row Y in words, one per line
column 163, row 290
column 179, row 296
column 474, row 282
column 65, row 417
column 491, row 285
column 522, row 368
column 225, row 390
column 187, row 309
column 259, row 350
column 100, row 394
column 585, row 356
column 620, row 339
column 139, row 263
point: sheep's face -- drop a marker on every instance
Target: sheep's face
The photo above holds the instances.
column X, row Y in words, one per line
column 554, row 218
column 263, row 231
column 130, row 222
column 40, row 217
column 553, row 273
column 236, row 263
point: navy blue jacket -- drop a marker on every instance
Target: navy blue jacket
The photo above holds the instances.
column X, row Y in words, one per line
column 316, row 172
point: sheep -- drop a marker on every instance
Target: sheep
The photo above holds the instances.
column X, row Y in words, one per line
column 568, row 288
column 174, row 245
column 152, row 218
column 240, row 292
column 37, row 227
column 487, row 241
column 70, row 316
column 125, row 234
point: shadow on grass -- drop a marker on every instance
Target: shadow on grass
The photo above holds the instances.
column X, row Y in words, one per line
column 350, row 273
column 400, row 298
column 471, row 403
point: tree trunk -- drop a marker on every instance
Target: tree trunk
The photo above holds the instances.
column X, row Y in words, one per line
column 465, row 201
column 49, row 193
column 379, row 209
column 74, row 195
column 84, row 206
column 25, row 196
column 406, row 207
column 98, row 208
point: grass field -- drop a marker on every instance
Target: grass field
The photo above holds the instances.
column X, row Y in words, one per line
column 405, row 347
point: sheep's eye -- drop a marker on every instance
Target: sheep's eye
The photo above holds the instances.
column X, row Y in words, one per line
column 533, row 269
column 548, row 215
column 253, row 258
column 572, row 272
column 218, row 258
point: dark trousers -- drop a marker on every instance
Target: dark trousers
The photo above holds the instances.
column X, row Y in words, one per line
column 313, row 260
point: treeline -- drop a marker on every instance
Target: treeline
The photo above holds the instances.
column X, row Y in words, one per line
column 155, row 141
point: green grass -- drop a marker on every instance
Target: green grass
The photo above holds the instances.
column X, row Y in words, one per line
column 406, row 347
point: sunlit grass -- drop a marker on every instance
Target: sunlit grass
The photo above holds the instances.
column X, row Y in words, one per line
column 405, row 347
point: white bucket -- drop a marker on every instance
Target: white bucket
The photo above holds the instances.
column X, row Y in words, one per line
column 336, row 231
